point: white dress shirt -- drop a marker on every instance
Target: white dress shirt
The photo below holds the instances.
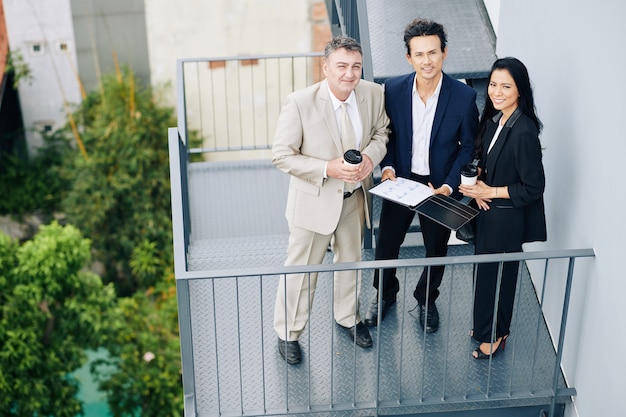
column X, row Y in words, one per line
column 423, row 116
column 353, row 113
column 495, row 137
column 355, row 119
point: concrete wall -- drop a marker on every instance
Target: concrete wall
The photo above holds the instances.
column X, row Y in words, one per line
column 574, row 53
column 493, row 9
column 227, row 28
column 109, row 30
column 219, row 28
column 42, row 31
column 77, row 41
column 148, row 36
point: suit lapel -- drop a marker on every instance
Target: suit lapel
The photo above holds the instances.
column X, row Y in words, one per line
column 364, row 115
column 493, row 155
column 325, row 106
column 442, row 103
column 406, row 102
column 500, row 140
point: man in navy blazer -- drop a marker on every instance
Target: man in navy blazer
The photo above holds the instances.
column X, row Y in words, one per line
column 434, row 119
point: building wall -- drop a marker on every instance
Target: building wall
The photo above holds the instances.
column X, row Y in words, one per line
column 574, row 53
column 42, row 31
column 108, row 31
column 4, row 42
column 493, row 9
column 148, row 36
column 227, row 28
column 221, row 28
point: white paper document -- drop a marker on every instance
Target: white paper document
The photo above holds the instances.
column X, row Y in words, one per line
column 440, row 208
column 403, row 191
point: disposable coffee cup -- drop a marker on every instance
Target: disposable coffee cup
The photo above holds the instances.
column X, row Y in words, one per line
column 469, row 174
column 352, row 157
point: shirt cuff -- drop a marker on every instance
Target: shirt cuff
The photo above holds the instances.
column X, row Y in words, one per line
column 449, row 188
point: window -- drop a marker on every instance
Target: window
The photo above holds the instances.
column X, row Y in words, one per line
column 36, row 48
column 43, row 126
column 63, row 47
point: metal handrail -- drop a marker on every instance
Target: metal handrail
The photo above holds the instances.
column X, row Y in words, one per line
column 182, row 230
column 232, row 102
column 246, row 277
column 383, row 264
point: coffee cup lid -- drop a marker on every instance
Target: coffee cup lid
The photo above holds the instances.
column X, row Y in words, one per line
column 469, row 170
column 353, row 156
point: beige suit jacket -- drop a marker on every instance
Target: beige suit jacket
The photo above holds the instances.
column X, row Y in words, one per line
column 307, row 136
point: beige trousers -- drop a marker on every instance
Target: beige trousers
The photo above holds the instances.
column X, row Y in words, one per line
column 295, row 292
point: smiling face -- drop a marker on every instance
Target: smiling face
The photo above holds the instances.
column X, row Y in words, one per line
column 343, row 70
column 503, row 92
column 426, row 57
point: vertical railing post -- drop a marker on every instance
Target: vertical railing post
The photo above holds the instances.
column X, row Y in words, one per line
column 559, row 350
column 494, row 321
column 216, row 351
column 184, row 193
column 379, row 298
column 181, row 100
column 539, row 319
column 186, row 347
column 179, row 200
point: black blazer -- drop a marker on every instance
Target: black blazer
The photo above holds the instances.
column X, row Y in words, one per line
column 515, row 161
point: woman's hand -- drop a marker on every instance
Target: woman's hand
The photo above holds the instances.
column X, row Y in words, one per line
column 480, row 192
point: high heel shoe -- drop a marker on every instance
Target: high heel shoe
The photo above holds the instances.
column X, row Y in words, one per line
column 481, row 355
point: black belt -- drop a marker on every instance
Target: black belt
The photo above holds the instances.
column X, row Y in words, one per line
column 348, row 194
column 424, row 179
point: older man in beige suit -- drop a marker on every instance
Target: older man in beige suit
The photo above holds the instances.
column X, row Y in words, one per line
column 327, row 201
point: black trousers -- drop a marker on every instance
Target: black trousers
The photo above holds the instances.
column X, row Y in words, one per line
column 498, row 230
column 485, row 299
column 395, row 220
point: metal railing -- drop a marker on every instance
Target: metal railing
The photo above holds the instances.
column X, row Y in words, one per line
column 232, row 103
column 228, row 346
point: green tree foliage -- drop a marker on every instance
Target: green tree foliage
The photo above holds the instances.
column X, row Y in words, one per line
column 115, row 189
column 19, row 67
column 33, row 184
column 120, row 192
column 142, row 376
column 52, row 310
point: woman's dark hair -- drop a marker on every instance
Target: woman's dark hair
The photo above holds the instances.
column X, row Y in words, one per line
column 526, row 104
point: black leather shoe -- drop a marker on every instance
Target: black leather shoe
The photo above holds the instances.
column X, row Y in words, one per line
column 371, row 315
column 361, row 334
column 429, row 318
column 290, row 351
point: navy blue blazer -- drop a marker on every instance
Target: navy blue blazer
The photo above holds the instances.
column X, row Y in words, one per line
column 453, row 133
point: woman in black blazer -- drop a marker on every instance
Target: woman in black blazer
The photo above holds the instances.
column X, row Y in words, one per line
column 509, row 193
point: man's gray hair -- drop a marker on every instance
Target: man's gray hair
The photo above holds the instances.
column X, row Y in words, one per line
column 340, row 42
